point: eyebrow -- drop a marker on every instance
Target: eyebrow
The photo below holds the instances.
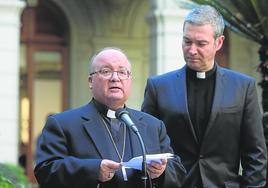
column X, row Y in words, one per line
column 199, row 41
column 110, row 67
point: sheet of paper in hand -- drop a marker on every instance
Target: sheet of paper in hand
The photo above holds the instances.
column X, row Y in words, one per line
column 136, row 162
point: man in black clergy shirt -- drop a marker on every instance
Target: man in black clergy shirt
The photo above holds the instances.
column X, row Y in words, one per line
column 84, row 147
column 211, row 113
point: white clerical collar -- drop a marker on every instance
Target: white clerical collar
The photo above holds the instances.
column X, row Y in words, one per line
column 110, row 114
column 201, row 75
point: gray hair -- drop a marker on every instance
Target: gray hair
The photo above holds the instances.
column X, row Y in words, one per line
column 205, row 14
column 93, row 58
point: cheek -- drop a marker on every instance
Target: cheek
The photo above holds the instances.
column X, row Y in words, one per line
column 126, row 85
column 184, row 48
column 99, row 87
column 204, row 52
column 209, row 54
column 188, row 50
column 128, row 88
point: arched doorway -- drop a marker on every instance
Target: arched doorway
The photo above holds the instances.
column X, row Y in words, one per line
column 43, row 73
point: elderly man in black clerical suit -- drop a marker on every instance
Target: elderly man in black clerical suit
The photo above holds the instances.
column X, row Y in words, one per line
column 211, row 113
column 84, row 147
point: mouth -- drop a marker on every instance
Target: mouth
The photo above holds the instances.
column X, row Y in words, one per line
column 192, row 60
column 114, row 88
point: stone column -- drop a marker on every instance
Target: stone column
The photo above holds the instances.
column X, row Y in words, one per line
column 10, row 11
column 166, row 21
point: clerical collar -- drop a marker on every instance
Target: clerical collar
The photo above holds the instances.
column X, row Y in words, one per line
column 104, row 110
column 200, row 75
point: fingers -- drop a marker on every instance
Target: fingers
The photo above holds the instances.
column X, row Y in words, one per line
column 111, row 174
column 107, row 170
column 156, row 169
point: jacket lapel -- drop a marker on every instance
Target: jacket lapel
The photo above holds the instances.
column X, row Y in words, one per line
column 94, row 126
column 135, row 143
column 181, row 90
column 218, row 95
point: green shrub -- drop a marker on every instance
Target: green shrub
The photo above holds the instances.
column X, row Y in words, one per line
column 12, row 176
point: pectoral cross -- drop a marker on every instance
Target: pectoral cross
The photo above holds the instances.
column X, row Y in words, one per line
column 124, row 173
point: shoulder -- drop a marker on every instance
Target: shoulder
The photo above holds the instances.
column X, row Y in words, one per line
column 164, row 80
column 69, row 117
column 143, row 116
column 72, row 112
column 165, row 76
column 235, row 76
column 147, row 121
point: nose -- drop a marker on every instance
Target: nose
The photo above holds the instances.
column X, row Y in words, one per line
column 113, row 77
column 192, row 49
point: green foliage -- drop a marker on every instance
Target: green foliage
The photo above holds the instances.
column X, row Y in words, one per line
column 12, row 176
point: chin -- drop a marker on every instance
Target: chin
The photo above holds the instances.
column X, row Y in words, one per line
column 193, row 67
column 115, row 98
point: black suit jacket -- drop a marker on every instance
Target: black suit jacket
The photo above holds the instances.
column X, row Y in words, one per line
column 234, row 131
column 73, row 143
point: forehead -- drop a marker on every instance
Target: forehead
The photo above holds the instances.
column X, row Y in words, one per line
column 198, row 32
column 112, row 59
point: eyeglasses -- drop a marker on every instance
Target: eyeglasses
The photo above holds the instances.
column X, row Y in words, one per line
column 106, row 73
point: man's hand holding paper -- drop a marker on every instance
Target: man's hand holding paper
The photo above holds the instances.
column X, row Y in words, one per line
column 136, row 162
column 155, row 169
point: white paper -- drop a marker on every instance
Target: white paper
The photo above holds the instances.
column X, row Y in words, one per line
column 136, row 162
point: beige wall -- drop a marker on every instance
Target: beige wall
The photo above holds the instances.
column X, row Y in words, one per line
column 46, row 102
column 244, row 57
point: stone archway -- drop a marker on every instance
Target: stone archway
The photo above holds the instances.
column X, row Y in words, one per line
column 96, row 24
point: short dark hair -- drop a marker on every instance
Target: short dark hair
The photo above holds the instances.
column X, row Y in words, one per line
column 206, row 14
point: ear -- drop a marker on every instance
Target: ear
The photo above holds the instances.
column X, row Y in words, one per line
column 219, row 42
column 89, row 79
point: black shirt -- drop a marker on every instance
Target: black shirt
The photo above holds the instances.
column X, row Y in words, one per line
column 200, row 92
column 118, row 134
